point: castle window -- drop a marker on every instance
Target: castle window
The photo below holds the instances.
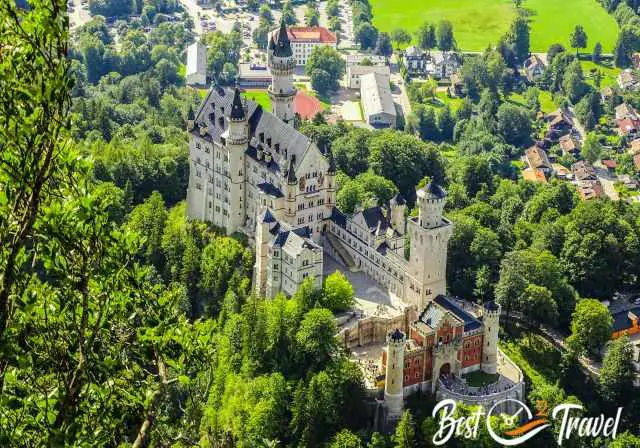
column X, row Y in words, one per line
column 277, row 146
column 198, row 145
column 269, row 142
column 261, row 135
column 221, row 122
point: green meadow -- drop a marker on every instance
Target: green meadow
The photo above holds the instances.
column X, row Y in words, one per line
column 478, row 23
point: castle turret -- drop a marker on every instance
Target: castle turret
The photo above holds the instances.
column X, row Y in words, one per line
column 265, row 221
column 282, row 65
column 491, row 323
column 236, row 137
column 429, row 233
column 291, row 190
column 398, row 205
column 393, row 383
column 431, row 200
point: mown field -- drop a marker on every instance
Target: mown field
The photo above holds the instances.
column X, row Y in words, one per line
column 478, row 23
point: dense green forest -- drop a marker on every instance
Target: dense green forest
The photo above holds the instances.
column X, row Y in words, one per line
column 122, row 323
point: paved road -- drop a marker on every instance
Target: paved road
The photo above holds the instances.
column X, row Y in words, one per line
column 400, row 96
column 194, row 11
column 605, row 179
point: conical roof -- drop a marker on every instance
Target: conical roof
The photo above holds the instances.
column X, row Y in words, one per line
column 291, row 173
column 237, row 108
column 282, row 48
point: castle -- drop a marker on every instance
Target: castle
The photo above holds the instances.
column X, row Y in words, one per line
column 252, row 172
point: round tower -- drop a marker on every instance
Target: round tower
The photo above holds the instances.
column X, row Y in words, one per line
column 393, row 383
column 491, row 324
column 236, row 141
column 431, row 201
column 282, row 66
column 398, row 205
column 291, row 190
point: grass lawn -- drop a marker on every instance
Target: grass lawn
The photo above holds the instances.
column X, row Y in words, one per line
column 609, row 73
column 547, row 105
column 552, row 21
column 537, row 358
column 546, row 101
column 259, row 96
column 478, row 23
column 480, row 378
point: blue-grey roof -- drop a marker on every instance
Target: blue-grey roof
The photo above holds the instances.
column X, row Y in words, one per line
column 267, row 217
column 621, row 320
column 435, row 190
column 432, row 315
column 338, row 217
column 270, row 189
column 470, row 322
column 398, row 200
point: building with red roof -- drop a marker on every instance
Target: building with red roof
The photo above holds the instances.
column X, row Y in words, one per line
column 305, row 38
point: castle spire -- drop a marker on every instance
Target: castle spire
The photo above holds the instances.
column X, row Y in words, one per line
column 283, row 46
column 237, row 108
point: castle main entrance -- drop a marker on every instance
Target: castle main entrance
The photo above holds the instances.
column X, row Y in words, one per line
column 445, row 369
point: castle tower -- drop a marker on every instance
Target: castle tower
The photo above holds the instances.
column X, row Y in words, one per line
column 236, row 137
column 429, row 234
column 491, row 323
column 263, row 226
column 282, row 65
column 393, row 383
column 398, row 205
column 290, row 193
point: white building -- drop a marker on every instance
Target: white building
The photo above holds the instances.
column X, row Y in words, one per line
column 355, row 72
column 304, row 39
column 252, row 172
column 196, row 73
column 377, row 102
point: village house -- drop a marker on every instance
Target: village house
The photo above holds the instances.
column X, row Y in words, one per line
column 533, row 68
column 635, row 60
column 196, row 73
column 583, row 170
column 610, row 165
column 455, row 85
column 636, row 162
column 254, row 76
column 534, row 175
column 303, row 39
column 438, row 65
column 628, row 80
column 625, row 110
column 377, row 102
column 355, row 72
column 537, row 159
column 569, row 145
column 359, row 58
column 560, row 123
column 628, row 127
column 590, row 189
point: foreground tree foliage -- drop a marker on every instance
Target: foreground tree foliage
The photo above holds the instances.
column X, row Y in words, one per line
column 118, row 322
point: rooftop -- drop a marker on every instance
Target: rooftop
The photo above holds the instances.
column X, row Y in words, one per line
column 311, row 34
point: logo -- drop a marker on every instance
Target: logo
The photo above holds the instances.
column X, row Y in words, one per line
column 522, row 423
